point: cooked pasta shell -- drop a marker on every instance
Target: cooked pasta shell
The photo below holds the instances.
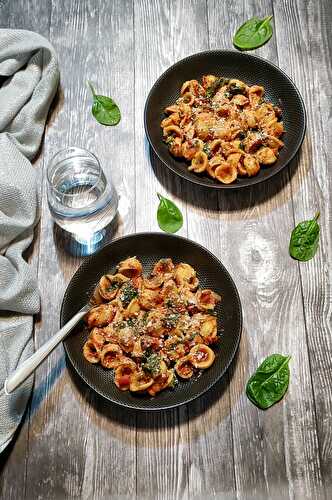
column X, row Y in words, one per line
column 100, row 316
column 130, row 267
column 192, row 86
column 97, row 337
column 237, row 86
column 173, row 119
column 137, row 351
column 215, row 146
column 173, row 130
column 199, row 162
column 91, row 352
column 172, row 109
column 184, row 367
column 123, row 374
column 255, row 93
column 185, row 274
column 209, row 327
column 208, row 80
column 110, row 356
column 191, row 147
column 109, row 285
column 213, row 163
column 202, row 356
column 154, row 283
column 163, row 266
column 161, row 382
column 132, row 309
column 188, row 98
column 240, row 100
column 251, row 165
column 140, row 381
column 233, row 159
column 266, row 156
column 149, row 299
column 226, row 173
column 175, row 147
column 277, row 129
column 207, row 299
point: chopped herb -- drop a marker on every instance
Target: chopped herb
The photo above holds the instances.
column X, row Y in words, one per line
column 174, row 382
column 131, row 321
column 169, row 303
column 113, row 286
column 207, row 150
column 145, row 318
column 219, row 82
column 152, row 364
column 242, row 135
column 128, row 293
column 227, row 94
column 169, row 140
column 241, row 146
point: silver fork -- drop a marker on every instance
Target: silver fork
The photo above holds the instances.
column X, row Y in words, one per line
column 25, row 369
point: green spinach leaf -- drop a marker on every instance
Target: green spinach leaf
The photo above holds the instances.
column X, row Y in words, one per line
column 253, row 33
column 270, row 381
column 169, row 216
column 104, row 109
column 304, row 239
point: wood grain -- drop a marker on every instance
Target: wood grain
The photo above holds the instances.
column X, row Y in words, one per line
column 66, row 416
column 162, row 439
column 307, row 59
column 256, row 226
column 72, row 444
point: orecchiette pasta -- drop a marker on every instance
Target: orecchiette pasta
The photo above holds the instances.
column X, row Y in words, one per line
column 151, row 328
column 224, row 128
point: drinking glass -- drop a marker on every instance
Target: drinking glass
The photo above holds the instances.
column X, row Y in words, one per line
column 80, row 198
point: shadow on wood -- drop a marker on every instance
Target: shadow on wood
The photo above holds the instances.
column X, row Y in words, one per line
column 226, row 201
column 154, row 420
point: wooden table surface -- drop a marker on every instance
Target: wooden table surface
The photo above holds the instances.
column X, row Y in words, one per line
column 71, row 443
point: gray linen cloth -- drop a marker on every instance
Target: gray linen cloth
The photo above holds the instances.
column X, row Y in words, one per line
column 29, row 78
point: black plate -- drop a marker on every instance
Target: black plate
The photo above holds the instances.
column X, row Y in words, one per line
column 150, row 247
column 279, row 89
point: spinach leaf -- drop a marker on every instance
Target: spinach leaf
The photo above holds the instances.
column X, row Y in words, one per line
column 169, row 216
column 104, row 109
column 270, row 381
column 253, row 33
column 304, row 239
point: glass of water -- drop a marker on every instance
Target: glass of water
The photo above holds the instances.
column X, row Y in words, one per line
column 80, row 198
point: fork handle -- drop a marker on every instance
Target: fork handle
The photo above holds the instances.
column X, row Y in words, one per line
column 25, row 369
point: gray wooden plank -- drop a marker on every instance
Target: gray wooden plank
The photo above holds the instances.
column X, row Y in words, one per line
column 209, row 419
column 13, row 480
column 4, row 13
column 274, row 455
column 305, row 54
column 162, row 439
column 79, row 446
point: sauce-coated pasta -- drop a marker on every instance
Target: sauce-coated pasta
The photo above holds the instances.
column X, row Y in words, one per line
column 224, row 128
column 150, row 330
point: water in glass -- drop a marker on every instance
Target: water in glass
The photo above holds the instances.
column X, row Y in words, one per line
column 81, row 200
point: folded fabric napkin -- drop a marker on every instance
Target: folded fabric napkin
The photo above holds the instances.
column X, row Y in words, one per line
column 29, row 78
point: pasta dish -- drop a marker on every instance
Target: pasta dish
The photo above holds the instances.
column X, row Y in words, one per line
column 224, row 128
column 151, row 329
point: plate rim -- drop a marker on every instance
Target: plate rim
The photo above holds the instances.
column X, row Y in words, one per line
column 255, row 180
column 87, row 260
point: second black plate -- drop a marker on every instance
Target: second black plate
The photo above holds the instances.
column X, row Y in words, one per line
column 279, row 89
column 150, row 247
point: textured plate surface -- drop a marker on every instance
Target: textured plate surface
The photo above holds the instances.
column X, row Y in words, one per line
column 279, row 89
column 150, row 247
